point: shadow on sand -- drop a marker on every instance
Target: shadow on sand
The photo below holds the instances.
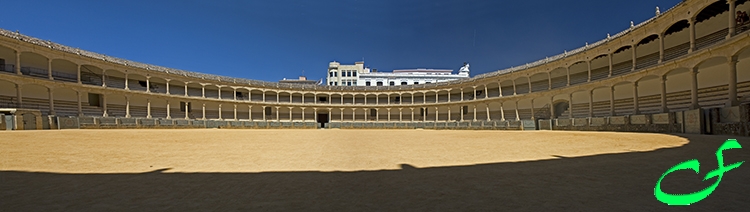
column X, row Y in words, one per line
column 611, row 182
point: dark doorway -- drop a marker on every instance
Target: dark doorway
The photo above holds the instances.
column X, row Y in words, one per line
column 29, row 121
column 322, row 120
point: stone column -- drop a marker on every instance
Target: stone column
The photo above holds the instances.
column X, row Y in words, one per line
column 500, row 89
column 588, row 67
column 342, row 114
column 567, row 71
column 168, row 85
column 235, row 112
column 591, row 103
column 664, row 108
column 461, row 112
column 169, row 111
column 49, row 69
column 692, row 34
column 475, row 112
column 234, row 93
column 400, row 115
column 488, row 111
column 502, row 112
column 612, row 101
column 570, row 105
column 126, row 82
column 514, row 87
column 412, row 99
column 78, row 75
column 437, row 117
column 80, row 108
column 219, row 92
column 551, row 109
column 424, row 97
column 609, row 56
column 449, row 96
column 104, row 78
column 277, row 113
column 187, row 110
column 732, row 16
column 661, row 48
column 694, row 89
column 635, row 98
column 549, row 81
column 127, row 107
column 186, row 89
column 486, row 95
column 354, row 114
column 51, row 102
column 203, row 90
column 264, row 112
column 264, row 100
column 303, row 110
column 290, row 113
column 732, row 101
column 220, row 117
column 250, row 112
column 389, row 114
column 424, row 116
column 412, row 114
column 18, row 64
column 518, row 117
column 204, row 112
column 148, row 108
column 634, row 57
column 104, row 105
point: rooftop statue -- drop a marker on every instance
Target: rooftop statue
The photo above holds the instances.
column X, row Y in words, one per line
column 464, row 68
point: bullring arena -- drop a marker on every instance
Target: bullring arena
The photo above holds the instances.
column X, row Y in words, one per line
column 593, row 128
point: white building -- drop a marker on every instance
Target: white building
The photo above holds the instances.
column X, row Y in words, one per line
column 358, row 75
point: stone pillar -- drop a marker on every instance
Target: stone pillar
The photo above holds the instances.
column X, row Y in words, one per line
column 168, row 85
column 514, row 87
column 169, row 111
column 461, row 112
column 635, row 98
column 500, row 89
column 567, row 71
column 449, row 96
column 49, row 69
column 203, row 90
column 186, row 89
column 424, row 97
column 424, row 116
column 264, row 100
column 692, row 34
column 549, row 81
column 694, row 89
column 462, row 95
column 732, row 101
column 148, row 108
column 250, row 112
column 412, row 114
column 148, row 84
column 609, row 56
column 290, row 113
column 220, row 117
column 732, row 16
column 389, row 113
column 634, row 57
column 551, row 109
column 661, row 48
column 235, row 112
column 588, row 67
column 187, row 110
column 354, row 114
column 570, row 105
column 104, row 105
column 412, row 99
column 518, row 117
column 126, row 82
column 400, row 115
column 219, row 92
column 80, row 108
column 234, row 93
column 591, row 103
column 277, row 112
column 104, row 78
column 78, row 75
column 487, row 95
column 612, row 101
column 127, row 107
column 488, row 111
column 204, row 112
column 502, row 112
column 475, row 112
column 437, row 117
column 264, row 112
column 51, row 102
column 303, row 110
column 664, row 108
column 342, row 114
column 532, row 110
column 18, row 64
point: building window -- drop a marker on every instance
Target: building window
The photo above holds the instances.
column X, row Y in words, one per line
column 354, row 73
column 392, row 83
column 416, row 83
column 403, row 83
column 367, row 83
column 465, row 110
column 268, row 111
column 380, row 83
column 322, row 99
column 349, row 83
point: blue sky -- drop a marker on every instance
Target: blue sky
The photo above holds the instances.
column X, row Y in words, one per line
column 271, row 40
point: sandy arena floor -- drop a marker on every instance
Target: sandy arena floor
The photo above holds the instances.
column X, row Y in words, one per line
column 211, row 169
